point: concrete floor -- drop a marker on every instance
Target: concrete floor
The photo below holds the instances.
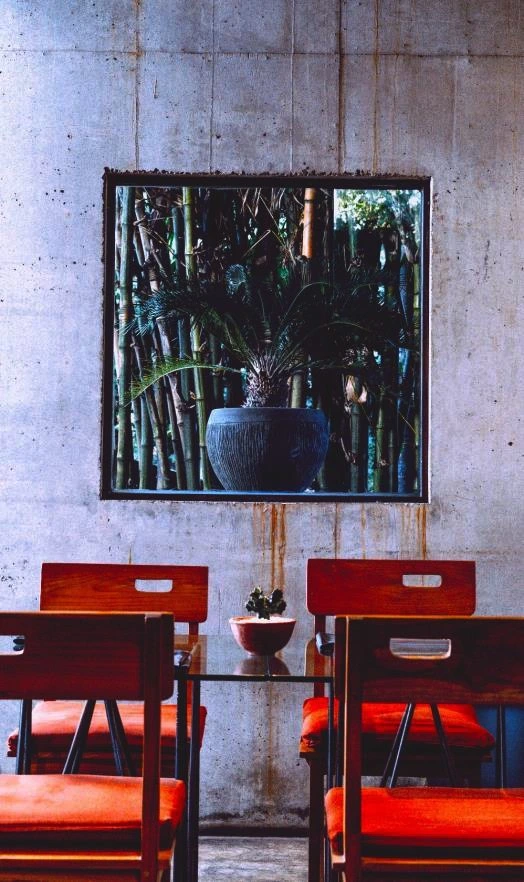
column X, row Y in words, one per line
column 256, row 859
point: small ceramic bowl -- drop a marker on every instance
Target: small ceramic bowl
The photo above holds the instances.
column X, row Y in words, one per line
column 261, row 636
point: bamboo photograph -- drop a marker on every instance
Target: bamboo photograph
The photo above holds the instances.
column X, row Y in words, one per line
column 235, row 298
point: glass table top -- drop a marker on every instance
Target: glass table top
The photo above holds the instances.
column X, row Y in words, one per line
column 218, row 657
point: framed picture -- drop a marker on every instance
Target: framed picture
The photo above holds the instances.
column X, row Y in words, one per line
column 265, row 337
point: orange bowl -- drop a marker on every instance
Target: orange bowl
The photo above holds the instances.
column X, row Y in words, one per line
column 261, row 636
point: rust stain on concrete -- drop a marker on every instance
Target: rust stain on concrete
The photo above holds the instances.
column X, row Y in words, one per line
column 422, row 531
column 278, row 545
column 336, row 530
column 376, row 99
column 260, row 527
column 413, row 532
column 406, row 543
column 363, row 529
column 269, row 533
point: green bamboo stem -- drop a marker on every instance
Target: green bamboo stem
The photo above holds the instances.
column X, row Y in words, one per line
column 175, row 438
column 298, row 389
column 297, row 396
column 196, row 341
column 163, row 393
column 163, row 481
column 124, row 451
column 148, row 249
column 379, row 470
column 308, row 234
column 146, row 447
column 184, row 342
column 359, row 449
column 392, row 455
column 188, row 478
column 217, row 380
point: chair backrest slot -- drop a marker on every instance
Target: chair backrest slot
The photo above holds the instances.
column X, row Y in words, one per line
column 154, row 586
column 417, row 649
column 419, row 580
column 11, row 644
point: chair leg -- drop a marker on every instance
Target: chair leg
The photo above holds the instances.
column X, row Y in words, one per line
column 23, row 752
column 316, row 822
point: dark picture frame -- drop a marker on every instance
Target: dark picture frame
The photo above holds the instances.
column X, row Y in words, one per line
column 208, row 277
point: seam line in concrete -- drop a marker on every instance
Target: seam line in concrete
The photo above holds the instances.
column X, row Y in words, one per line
column 445, row 56
column 212, row 108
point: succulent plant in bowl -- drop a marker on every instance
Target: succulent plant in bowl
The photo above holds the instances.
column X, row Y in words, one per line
column 266, row 605
column 267, row 631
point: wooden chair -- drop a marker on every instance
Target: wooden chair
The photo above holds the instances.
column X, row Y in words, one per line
column 417, row 834
column 108, row 828
column 100, row 588
column 390, row 587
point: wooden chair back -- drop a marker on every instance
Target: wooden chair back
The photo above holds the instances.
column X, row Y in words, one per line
column 346, row 586
column 342, row 586
column 93, row 656
column 127, row 588
column 477, row 661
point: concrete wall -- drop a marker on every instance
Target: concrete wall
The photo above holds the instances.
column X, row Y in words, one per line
column 418, row 87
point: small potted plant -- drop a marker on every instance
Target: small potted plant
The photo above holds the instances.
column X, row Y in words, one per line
column 267, row 631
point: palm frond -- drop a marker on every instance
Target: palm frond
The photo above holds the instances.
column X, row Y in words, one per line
column 166, row 366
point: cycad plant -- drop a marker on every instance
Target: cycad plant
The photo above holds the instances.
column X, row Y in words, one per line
column 271, row 328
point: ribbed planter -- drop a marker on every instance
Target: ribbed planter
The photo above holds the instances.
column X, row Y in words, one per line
column 267, row 448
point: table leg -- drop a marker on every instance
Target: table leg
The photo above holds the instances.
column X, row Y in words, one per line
column 23, row 752
column 180, row 874
column 500, row 748
column 194, row 785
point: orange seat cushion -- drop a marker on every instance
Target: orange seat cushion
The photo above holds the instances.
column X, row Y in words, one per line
column 54, row 724
column 82, row 809
column 432, row 818
column 382, row 721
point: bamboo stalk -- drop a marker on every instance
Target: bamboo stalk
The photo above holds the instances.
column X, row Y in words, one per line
column 175, row 437
column 196, row 340
column 308, row 233
column 379, row 470
column 124, row 451
column 146, row 448
column 356, row 396
column 359, row 449
column 184, row 342
column 163, row 481
column 298, row 381
column 188, row 478
column 406, row 402
column 298, row 389
column 179, row 413
column 149, row 261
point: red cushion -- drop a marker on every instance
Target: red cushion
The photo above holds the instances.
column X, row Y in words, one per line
column 433, row 817
column 74, row 809
column 54, row 724
column 382, row 721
